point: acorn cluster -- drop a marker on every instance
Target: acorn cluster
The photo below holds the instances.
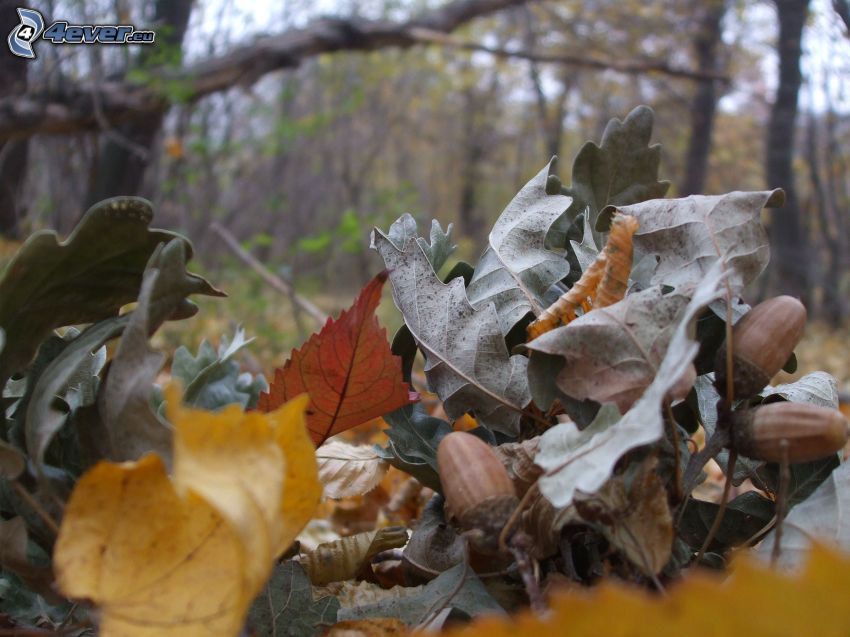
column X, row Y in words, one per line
column 762, row 341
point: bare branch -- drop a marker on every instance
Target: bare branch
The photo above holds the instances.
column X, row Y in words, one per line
column 74, row 108
column 621, row 66
column 108, row 103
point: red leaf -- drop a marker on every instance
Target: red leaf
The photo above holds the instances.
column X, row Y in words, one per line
column 347, row 368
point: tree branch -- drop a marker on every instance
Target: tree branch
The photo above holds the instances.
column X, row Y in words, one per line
column 73, row 109
column 93, row 106
column 630, row 68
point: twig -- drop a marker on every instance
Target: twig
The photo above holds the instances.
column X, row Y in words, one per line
column 718, row 519
column 506, row 530
column 274, row 281
column 677, row 456
column 427, row 36
column 519, row 548
column 781, row 502
column 35, row 505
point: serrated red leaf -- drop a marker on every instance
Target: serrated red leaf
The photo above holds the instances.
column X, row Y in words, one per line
column 347, row 368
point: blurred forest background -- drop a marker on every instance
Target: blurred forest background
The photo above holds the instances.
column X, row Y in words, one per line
column 296, row 126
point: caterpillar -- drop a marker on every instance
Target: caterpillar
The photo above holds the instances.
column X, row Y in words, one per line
column 603, row 283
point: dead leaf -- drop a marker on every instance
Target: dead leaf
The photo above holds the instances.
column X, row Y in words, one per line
column 818, row 518
column 516, row 270
column 689, row 235
column 148, row 557
column 344, row 558
column 235, row 461
column 347, row 368
column 582, row 460
column 518, row 459
column 377, row 627
column 347, row 470
column 634, row 516
column 286, row 607
column 612, row 354
column 467, row 361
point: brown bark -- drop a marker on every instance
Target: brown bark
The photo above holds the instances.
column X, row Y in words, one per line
column 707, row 41
column 126, row 150
column 786, row 230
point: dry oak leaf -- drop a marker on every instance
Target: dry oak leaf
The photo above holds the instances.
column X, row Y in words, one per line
column 754, row 601
column 347, row 368
column 186, row 556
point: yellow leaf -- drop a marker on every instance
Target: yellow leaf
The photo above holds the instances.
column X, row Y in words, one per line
column 302, row 490
column 155, row 563
column 755, row 601
column 187, row 556
column 342, row 559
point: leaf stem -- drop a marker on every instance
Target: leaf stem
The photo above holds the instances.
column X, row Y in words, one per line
column 35, row 505
column 718, row 519
column 677, row 456
column 781, row 502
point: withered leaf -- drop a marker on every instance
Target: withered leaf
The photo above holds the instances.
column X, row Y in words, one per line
column 690, row 235
column 583, row 460
column 516, row 270
column 612, row 354
column 467, row 361
column 347, row 470
column 347, row 368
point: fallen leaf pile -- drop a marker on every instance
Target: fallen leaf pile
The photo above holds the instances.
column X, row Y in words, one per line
column 577, row 365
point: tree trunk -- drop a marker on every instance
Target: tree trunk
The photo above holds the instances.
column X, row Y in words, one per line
column 125, row 152
column 707, row 41
column 787, row 239
column 14, row 153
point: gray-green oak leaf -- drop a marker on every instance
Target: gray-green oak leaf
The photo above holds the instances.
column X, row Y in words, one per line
column 84, row 279
column 583, row 460
column 690, row 235
column 467, row 361
column 516, row 269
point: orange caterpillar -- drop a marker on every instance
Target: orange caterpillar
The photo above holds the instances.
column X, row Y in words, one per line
column 604, row 283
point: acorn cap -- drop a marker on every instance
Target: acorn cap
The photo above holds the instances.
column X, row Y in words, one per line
column 762, row 342
column 801, row 431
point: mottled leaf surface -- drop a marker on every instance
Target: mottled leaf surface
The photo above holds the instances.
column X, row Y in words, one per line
column 612, row 353
column 690, row 235
column 467, row 361
column 583, row 460
column 516, row 269
column 816, row 388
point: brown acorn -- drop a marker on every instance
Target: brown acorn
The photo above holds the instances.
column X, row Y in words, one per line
column 479, row 493
column 762, row 342
column 808, row 431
